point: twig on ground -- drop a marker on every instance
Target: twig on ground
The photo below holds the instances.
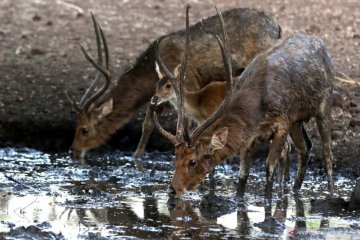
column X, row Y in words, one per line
column 342, row 77
column 78, row 9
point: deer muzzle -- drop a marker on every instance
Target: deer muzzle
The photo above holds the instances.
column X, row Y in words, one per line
column 77, row 154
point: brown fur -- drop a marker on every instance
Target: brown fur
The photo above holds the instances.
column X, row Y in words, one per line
column 136, row 86
column 204, row 64
column 276, row 93
column 199, row 105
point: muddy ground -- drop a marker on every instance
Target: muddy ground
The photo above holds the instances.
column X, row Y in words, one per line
column 49, row 196
column 40, row 57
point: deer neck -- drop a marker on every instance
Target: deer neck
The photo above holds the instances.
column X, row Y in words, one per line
column 192, row 104
column 235, row 129
column 242, row 118
column 134, row 88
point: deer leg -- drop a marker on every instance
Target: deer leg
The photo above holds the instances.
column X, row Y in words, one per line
column 324, row 124
column 147, row 128
column 303, row 147
column 245, row 161
column 284, row 162
column 276, row 147
column 287, row 160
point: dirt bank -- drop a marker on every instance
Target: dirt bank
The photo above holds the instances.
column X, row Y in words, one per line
column 40, row 58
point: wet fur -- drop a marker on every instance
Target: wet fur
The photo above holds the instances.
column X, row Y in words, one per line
column 279, row 90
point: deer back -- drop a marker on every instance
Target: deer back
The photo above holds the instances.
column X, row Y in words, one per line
column 251, row 32
column 291, row 78
column 289, row 83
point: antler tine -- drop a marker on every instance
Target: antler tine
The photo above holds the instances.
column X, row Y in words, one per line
column 106, row 49
column 97, row 77
column 166, row 134
column 89, row 90
column 178, row 84
column 179, row 90
column 226, row 54
column 106, row 72
column 162, row 66
column 72, row 102
column 98, row 40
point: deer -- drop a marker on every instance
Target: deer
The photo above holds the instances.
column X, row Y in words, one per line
column 276, row 94
column 100, row 113
column 200, row 104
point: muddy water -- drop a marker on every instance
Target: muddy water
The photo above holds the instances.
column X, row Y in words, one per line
column 50, row 197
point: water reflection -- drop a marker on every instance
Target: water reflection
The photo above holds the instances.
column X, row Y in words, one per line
column 119, row 201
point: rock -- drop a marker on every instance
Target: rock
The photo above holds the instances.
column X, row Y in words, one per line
column 354, row 111
column 62, row 54
column 355, row 122
column 329, row 204
column 32, row 232
column 352, row 104
column 337, row 99
column 25, row 34
column 36, row 18
column 355, row 197
column 212, row 206
column 314, row 29
column 335, row 135
column 270, row 225
column 36, row 51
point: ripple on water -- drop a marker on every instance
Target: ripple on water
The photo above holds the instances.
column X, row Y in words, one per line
column 109, row 197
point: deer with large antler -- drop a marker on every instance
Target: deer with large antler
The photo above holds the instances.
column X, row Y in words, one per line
column 101, row 114
column 277, row 92
column 93, row 108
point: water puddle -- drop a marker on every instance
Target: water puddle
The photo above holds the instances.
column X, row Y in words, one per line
column 50, row 197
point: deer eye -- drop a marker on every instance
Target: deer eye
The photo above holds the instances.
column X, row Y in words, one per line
column 192, row 162
column 168, row 86
column 84, row 130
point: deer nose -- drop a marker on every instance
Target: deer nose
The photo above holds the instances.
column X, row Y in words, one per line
column 154, row 100
column 177, row 189
column 75, row 154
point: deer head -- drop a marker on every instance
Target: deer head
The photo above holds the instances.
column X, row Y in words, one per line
column 194, row 155
column 164, row 89
column 92, row 107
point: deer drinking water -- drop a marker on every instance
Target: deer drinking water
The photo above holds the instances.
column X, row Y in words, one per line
column 277, row 92
column 104, row 112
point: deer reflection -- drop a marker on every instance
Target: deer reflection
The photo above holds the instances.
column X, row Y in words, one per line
column 194, row 223
column 141, row 221
column 274, row 223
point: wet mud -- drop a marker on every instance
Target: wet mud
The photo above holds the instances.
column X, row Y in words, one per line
column 47, row 196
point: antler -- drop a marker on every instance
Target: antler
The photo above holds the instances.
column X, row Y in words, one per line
column 106, row 72
column 87, row 100
column 226, row 54
column 178, row 84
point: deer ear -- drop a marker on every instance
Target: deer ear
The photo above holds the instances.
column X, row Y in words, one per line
column 104, row 109
column 177, row 70
column 158, row 71
column 219, row 138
